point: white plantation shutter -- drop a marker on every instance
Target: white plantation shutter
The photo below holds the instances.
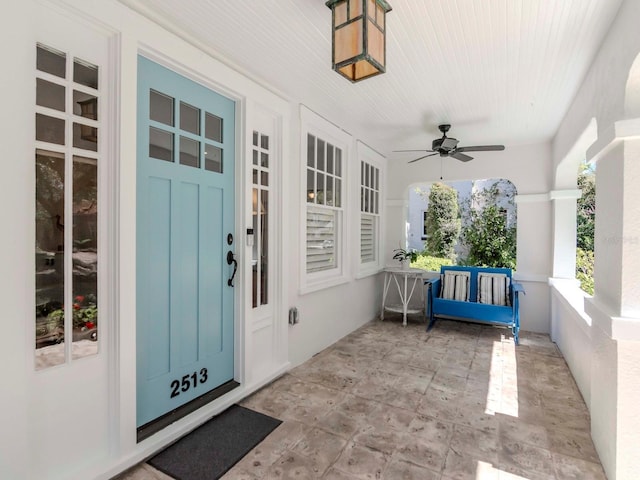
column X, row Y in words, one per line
column 321, row 239
column 367, row 238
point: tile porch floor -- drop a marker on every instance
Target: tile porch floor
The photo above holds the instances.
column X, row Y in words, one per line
column 394, row 403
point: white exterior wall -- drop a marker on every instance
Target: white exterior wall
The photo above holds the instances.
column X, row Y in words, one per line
column 608, row 104
column 78, row 421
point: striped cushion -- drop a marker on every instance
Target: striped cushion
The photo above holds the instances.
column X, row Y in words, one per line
column 493, row 288
column 455, row 285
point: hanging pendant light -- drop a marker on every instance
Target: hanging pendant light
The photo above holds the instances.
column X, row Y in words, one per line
column 359, row 37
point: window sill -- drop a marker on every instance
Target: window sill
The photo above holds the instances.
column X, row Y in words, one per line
column 322, row 284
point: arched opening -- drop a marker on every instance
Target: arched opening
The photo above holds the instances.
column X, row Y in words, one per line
column 470, row 222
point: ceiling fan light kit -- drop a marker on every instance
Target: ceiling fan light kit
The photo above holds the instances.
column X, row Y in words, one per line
column 358, row 37
column 448, row 147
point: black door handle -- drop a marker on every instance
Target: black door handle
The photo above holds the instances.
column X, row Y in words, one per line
column 232, row 261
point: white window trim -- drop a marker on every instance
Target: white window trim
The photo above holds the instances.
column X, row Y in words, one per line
column 314, row 124
column 370, row 156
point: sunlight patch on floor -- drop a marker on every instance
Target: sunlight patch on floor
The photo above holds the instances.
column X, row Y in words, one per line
column 502, row 392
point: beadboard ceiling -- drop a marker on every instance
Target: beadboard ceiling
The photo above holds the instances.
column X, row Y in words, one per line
column 500, row 71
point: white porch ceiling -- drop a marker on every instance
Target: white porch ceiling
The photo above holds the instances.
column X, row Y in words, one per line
column 500, row 71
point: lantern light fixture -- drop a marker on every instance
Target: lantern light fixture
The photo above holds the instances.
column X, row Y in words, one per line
column 358, row 37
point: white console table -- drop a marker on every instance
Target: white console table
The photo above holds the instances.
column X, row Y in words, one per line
column 406, row 281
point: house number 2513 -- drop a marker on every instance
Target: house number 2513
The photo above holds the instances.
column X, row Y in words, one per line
column 188, row 381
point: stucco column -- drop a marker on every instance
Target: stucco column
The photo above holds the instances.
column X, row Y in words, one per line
column 615, row 307
column 564, row 233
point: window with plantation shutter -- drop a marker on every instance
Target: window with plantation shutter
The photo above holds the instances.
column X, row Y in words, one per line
column 370, row 194
column 369, row 211
column 324, row 152
column 324, row 203
column 367, row 238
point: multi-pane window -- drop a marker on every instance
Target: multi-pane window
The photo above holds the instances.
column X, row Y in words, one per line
column 260, row 214
column 184, row 134
column 369, row 211
column 67, row 155
column 324, row 204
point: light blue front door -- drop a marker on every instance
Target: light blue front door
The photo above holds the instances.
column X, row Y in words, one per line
column 185, row 218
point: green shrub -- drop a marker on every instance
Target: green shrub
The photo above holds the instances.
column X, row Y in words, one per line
column 584, row 269
column 430, row 263
column 443, row 221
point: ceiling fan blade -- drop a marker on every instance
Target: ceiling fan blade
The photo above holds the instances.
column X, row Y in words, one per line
column 461, row 156
column 481, row 148
column 421, row 150
column 420, row 158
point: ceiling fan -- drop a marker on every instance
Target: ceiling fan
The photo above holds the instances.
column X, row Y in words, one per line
column 448, row 147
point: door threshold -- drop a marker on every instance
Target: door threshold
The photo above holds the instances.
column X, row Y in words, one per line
column 154, row 426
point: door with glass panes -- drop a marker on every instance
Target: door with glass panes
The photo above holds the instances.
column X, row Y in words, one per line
column 185, row 225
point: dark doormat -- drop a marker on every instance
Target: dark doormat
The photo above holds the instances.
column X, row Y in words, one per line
column 212, row 449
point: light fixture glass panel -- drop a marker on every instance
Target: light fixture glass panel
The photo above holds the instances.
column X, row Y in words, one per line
column 355, row 9
column 376, row 43
column 85, row 137
column 348, row 41
column 189, row 118
column 85, row 73
column 85, row 257
column 189, row 152
column 161, row 108
column 51, row 61
column 160, row 144
column 213, row 159
column 49, row 129
column 50, row 95
column 371, row 8
column 380, row 16
column 341, row 13
column 213, row 127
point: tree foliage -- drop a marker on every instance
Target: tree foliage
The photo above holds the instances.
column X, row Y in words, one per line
column 442, row 221
column 586, row 209
column 487, row 233
column 584, row 269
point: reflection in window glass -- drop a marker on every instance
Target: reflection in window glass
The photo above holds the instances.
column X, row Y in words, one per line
column 213, row 159
column 51, row 61
column 84, row 309
column 260, row 222
column 49, row 129
column 85, row 137
column 213, row 127
column 85, row 105
column 189, row 152
column 85, row 73
column 160, row 107
column 50, row 95
column 66, row 308
column 50, row 222
column 160, row 144
column 189, row 118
